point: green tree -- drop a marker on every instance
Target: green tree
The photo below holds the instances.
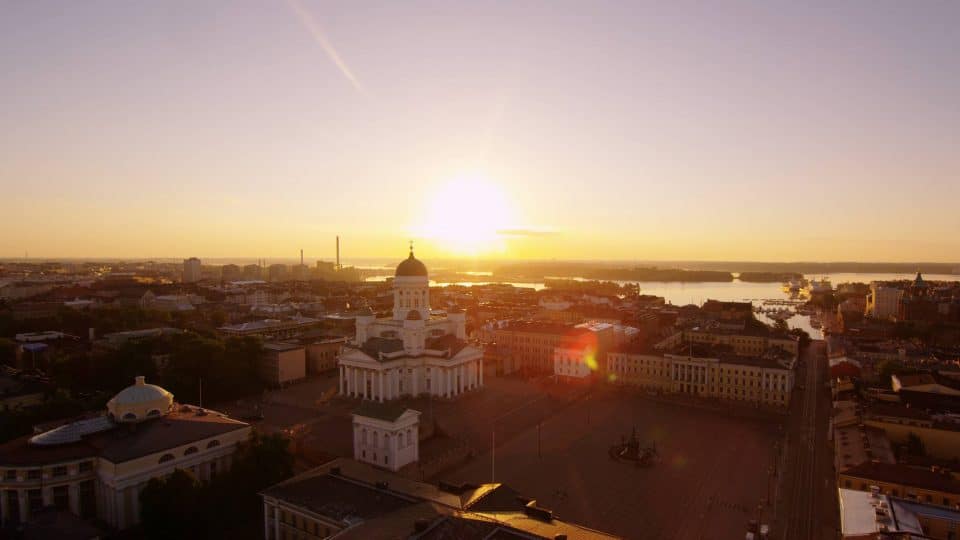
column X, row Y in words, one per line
column 888, row 368
column 8, row 350
column 169, row 507
column 802, row 335
column 915, row 445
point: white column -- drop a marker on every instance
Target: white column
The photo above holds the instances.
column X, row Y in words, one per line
column 380, row 393
column 363, row 383
column 276, row 523
column 22, row 496
column 341, row 380
column 449, row 382
column 266, row 520
column 413, row 382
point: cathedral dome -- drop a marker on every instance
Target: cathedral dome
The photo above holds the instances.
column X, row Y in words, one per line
column 140, row 402
column 411, row 267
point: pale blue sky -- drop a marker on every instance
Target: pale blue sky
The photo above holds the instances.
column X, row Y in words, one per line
column 696, row 130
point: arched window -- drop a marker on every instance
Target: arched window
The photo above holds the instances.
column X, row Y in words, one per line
column 129, row 416
column 153, row 413
column 400, row 440
column 213, row 444
column 166, row 457
column 191, row 450
column 363, row 435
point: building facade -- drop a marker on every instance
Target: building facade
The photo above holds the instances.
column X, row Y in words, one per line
column 413, row 352
column 386, row 435
column 191, row 270
column 283, row 363
column 97, row 467
column 884, row 301
column 764, row 381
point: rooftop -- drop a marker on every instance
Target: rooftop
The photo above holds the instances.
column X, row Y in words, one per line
column 895, row 473
column 120, row 443
column 388, row 412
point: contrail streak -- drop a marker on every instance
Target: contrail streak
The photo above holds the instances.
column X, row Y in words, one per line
column 311, row 25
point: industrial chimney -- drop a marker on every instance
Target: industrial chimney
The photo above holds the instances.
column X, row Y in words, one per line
column 338, row 252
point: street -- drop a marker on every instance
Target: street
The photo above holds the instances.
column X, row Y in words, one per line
column 807, row 502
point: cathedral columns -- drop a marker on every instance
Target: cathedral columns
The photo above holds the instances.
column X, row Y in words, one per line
column 380, row 393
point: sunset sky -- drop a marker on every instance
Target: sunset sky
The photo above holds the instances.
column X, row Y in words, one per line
column 618, row 130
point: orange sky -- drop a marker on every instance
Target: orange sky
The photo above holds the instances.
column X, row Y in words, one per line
column 617, row 131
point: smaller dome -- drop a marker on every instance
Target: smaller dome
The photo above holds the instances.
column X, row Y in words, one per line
column 411, row 267
column 140, row 402
column 414, row 315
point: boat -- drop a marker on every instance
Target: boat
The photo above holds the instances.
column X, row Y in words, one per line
column 819, row 287
column 794, row 285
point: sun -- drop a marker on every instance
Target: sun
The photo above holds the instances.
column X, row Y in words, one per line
column 464, row 216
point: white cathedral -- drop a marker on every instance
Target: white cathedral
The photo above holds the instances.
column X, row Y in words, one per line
column 415, row 351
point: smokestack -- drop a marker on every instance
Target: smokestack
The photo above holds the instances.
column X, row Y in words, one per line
column 301, row 256
column 338, row 252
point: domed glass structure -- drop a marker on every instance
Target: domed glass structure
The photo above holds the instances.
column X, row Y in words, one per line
column 140, row 402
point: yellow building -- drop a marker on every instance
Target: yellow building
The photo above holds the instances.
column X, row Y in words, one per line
column 926, row 485
column 529, row 345
column 764, row 380
column 97, row 467
column 741, row 342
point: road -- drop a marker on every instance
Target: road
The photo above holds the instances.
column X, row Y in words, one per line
column 808, row 504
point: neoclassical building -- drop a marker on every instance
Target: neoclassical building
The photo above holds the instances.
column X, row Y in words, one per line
column 96, row 467
column 413, row 352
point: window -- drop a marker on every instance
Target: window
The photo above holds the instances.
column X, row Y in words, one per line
column 166, row 457
column 129, row 416
column 191, row 450
column 10, row 474
column 213, row 444
column 60, row 471
column 86, row 466
column 33, row 474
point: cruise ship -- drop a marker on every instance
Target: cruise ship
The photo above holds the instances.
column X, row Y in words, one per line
column 822, row 286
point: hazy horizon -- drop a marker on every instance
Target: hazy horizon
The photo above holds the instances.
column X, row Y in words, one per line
column 771, row 131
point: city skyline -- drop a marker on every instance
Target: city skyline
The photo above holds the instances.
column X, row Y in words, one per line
column 740, row 131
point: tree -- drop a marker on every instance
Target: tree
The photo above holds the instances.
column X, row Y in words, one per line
column 230, row 503
column 802, row 336
column 915, row 445
column 8, row 349
column 888, row 368
column 169, row 507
